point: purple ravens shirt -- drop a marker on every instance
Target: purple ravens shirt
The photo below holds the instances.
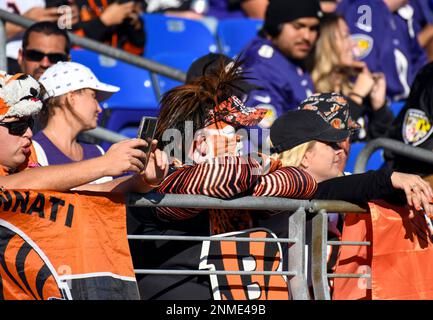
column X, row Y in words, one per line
column 221, row 9
column 55, row 156
column 285, row 83
column 422, row 14
column 387, row 42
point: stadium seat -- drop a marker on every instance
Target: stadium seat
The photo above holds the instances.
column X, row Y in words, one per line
column 175, row 60
column 172, row 34
column 136, row 89
column 396, row 107
column 130, row 132
column 234, row 34
column 374, row 162
column 135, row 98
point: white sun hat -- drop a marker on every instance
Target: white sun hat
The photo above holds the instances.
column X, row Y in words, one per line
column 64, row 77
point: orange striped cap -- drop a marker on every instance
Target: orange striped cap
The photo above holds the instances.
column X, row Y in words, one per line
column 235, row 112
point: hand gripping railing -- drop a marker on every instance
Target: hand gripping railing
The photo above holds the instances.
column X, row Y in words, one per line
column 296, row 211
column 394, row 146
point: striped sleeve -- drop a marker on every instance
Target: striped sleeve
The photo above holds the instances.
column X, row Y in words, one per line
column 224, row 178
column 288, row 182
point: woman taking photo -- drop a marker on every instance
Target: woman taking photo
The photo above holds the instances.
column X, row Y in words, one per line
column 71, row 106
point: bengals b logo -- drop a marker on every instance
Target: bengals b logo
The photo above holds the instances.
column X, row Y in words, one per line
column 25, row 271
column 245, row 256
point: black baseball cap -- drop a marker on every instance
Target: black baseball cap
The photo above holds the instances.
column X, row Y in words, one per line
column 296, row 127
column 211, row 62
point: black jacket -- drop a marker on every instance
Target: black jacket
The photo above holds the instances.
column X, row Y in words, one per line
column 413, row 125
column 123, row 36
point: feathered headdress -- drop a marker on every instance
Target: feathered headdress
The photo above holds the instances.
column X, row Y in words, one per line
column 208, row 100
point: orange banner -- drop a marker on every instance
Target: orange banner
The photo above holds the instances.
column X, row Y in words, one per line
column 402, row 254
column 245, row 256
column 354, row 259
column 399, row 259
column 57, row 245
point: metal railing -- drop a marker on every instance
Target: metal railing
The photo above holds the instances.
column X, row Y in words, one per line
column 152, row 66
column 296, row 211
column 395, row 146
column 93, row 45
column 106, row 135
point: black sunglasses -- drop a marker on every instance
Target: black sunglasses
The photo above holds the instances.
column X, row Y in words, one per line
column 35, row 55
column 333, row 145
column 18, row 128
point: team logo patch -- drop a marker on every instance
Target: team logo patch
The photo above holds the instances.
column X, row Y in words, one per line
column 266, row 51
column 364, row 45
column 416, row 127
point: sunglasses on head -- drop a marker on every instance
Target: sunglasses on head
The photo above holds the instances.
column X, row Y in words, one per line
column 19, row 127
column 35, row 55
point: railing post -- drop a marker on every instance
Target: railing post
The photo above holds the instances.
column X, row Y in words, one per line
column 156, row 85
column 395, row 146
column 296, row 255
column 3, row 40
column 104, row 134
column 319, row 254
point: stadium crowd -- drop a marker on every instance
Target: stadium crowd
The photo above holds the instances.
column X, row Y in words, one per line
column 318, row 77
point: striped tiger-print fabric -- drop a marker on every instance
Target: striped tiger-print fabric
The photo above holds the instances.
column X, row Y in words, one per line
column 227, row 177
column 287, row 182
column 222, row 177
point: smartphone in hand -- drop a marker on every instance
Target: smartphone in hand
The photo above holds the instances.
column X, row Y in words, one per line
column 146, row 131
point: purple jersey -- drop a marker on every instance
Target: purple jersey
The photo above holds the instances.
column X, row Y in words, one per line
column 344, row 5
column 48, row 154
column 387, row 42
column 221, row 9
column 285, row 83
column 422, row 14
column 53, row 155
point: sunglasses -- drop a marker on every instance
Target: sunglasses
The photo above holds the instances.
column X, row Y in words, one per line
column 35, row 55
column 18, row 128
column 333, row 145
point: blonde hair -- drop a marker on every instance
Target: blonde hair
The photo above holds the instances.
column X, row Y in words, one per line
column 327, row 70
column 293, row 157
